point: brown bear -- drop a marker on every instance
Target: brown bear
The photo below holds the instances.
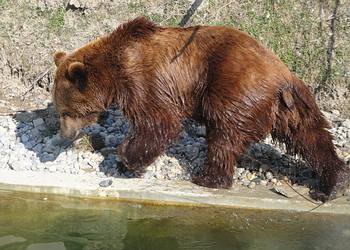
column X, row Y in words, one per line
column 219, row 76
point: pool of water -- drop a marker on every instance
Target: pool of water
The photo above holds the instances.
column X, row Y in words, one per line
column 45, row 222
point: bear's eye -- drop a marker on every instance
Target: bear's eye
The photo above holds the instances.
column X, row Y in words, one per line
column 65, row 114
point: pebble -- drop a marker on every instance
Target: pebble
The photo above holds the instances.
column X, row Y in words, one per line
column 269, row 175
column 52, row 168
column 34, row 145
column 105, row 183
column 346, row 124
column 274, row 180
column 252, row 184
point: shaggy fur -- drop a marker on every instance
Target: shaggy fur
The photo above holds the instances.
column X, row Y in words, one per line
column 217, row 75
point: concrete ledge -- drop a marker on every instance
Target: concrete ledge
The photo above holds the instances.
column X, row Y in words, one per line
column 162, row 192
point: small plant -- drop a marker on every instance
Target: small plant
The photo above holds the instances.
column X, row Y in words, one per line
column 56, row 21
column 3, row 3
column 83, row 143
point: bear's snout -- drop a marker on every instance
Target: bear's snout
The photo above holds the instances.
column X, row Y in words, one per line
column 70, row 127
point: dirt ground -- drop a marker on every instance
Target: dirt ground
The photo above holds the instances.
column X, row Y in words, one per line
column 300, row 33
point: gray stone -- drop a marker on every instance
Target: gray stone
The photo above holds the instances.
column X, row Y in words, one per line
column 35, row 133
column 38, row 122
column 49, row 148
column 25, row 116
column 24, row 138
column 38, row 148
column 47, row 157
column 105, row 183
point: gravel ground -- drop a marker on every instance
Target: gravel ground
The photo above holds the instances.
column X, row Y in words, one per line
column 29, row 142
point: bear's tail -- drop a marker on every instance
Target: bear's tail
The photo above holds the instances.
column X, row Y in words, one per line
column 304, row 130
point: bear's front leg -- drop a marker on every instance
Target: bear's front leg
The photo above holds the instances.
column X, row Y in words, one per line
column 218, row 172
column 146, row 143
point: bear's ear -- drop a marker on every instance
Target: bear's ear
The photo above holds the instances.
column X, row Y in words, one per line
column 58, row 57
column 77, row 74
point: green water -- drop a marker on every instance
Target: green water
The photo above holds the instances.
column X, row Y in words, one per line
column 44, row 222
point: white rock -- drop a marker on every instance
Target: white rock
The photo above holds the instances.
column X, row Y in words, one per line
column 346, row 123
column 52, row 168
column 335, row 112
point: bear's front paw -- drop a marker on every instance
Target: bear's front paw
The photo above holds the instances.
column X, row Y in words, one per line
column 212, row 181
column 339, row 189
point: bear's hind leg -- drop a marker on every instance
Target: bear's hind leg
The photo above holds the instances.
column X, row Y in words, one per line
column 146, row 143
column 220, row 167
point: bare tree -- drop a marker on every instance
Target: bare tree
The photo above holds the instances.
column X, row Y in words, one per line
column 330, row 48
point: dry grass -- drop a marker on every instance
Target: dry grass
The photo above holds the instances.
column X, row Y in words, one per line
column 298, row 31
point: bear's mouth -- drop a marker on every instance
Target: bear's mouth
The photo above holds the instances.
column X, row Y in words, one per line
column 70, row 135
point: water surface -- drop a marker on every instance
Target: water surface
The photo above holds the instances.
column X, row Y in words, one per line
column 44, row 222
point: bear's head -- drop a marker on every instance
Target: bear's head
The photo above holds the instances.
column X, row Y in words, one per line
column 76, row 94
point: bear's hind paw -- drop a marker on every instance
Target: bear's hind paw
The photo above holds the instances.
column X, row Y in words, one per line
column 212, row 181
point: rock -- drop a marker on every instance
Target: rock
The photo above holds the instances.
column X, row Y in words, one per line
column 335, row 112
column 240, row 171
column 24, row 138
column 346, row 123
column 35, row 134
column 73, row 170
column 245, row 182
column 252, row 184
column 269, row 175
column 45, row 157
column 250, row 176
column 274, row 180
column 82, row 5
column 49, row 147
column 263, row 182
column 52, row 168
column 38, row 122
column 257, row 181
column 25, row 116
column 38, row 148
column 105, row 183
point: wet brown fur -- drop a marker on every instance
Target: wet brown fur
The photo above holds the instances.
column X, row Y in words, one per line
column 217, row 75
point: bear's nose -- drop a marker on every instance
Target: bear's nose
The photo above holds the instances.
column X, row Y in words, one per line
column 69, row 134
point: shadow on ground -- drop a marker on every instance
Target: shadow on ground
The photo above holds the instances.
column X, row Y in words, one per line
column 38, row 132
